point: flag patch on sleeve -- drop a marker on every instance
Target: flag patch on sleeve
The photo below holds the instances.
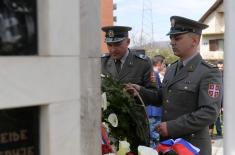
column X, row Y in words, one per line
column 214, row 90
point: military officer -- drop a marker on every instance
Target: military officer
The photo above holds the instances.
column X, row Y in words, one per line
column 191, row 89
column 121, row 63
column 127, row 66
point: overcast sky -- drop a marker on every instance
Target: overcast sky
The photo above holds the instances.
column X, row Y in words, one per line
column 129, row 13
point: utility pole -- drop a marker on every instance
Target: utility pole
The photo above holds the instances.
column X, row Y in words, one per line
column 146, row 36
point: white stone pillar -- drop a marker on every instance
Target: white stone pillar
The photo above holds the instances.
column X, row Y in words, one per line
column 54, row 77
column 229, row 76
column 63, row 79
column 90, row 138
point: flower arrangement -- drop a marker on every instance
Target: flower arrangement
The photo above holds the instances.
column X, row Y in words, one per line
column 124, row 118
column 127, row 126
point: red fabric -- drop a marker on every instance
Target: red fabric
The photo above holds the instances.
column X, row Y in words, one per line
column 181, row 149
column 163, row 148
column 104, row 136
column 106, row 149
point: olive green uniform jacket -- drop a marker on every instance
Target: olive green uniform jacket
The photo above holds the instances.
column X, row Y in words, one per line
column 190, row 100
column 136, row 69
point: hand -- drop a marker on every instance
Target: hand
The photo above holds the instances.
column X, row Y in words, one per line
column 132, row 89
column 162, row 129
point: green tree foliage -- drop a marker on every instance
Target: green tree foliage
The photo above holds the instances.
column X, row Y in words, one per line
column 166, row 52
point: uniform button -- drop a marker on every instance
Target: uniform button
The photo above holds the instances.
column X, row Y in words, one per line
column 167, row 101
column 185, row 87
column 169, row 90
column 192, row 135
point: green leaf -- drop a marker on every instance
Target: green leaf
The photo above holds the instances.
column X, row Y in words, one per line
column 132, row 119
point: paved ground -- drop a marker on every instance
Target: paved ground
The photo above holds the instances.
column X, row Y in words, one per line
column 217, row 146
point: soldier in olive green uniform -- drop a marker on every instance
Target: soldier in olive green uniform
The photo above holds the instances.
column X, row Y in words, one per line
column 121, row 63
column 128, row 67
column 191, row 89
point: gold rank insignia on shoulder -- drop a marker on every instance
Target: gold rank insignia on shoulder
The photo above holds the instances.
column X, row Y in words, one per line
column 210, row 64
column 213, row 90
column 111, row 33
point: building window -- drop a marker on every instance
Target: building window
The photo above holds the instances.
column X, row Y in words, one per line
column 114, row 6
column 18, row 28
column 216, row 45
column 115, row 18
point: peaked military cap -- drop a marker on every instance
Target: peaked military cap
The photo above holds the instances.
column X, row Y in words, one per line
column 115, row 33
column 180, row 25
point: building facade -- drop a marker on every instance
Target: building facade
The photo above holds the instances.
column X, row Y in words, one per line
column 107, row 19
column 212, row 41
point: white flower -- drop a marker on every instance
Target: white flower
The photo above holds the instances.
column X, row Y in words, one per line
column 104, row 101
column 102, row 75
column 144, row 150
column 113, row 120
column 124, row 147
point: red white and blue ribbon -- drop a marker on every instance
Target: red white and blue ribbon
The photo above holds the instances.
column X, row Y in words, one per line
column 180, row 146
column 105, row 139
column 106, row 147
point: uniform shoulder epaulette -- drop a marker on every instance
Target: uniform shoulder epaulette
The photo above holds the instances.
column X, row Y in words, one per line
column 105, row 55
column 174, row 62
column 141, row 56
column 208, row 64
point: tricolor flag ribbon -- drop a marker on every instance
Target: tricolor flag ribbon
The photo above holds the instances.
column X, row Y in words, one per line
column 106, row 147
column 180, row 146
column 104, row 137
column 165, row 146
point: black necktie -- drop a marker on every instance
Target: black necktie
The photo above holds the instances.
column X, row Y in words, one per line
column 180, row 65
column 118, row 64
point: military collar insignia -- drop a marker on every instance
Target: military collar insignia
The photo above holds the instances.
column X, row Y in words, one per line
column 190, row 68
column 111, row 33
column 173, row 23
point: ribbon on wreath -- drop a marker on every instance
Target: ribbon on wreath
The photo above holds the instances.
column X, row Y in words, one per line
column 179, row 146
column 106, row 147
column 105, row 139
